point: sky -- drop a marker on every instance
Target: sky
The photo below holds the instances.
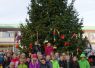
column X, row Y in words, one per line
column 15, row 11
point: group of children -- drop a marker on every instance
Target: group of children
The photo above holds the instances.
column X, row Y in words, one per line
column 39, row 60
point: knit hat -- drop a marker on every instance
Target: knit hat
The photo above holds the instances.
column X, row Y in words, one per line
column 82, row 55
column 34, row 55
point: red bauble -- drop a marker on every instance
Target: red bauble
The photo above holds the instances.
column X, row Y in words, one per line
column 54, row 33
column 17, row 45
column 30, row 46
column 62, row 36
column 66, row 44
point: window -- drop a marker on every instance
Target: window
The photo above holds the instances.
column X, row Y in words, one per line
column 0, row 34
column 8, row 34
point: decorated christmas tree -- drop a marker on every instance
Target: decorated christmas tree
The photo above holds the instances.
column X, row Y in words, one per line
column 55, row 21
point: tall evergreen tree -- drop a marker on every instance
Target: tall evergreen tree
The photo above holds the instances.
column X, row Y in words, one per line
column 56, row 21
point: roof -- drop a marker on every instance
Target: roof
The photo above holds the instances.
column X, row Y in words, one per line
column 9, row 26
column 88, row 28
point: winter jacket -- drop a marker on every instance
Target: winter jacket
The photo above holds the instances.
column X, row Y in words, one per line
column 36, row 48
column 62, row 63
column 49, row 64
column 44, row 66
column 55, row 64
column 7, row 61
column 16, row 61
column 1, row 60
column 22, row 66
column 48, row 50
column 74, row 64
column 36, row 65
column 68, row 64
column 84, row 64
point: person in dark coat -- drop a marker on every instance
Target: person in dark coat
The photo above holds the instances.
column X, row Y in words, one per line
column 48, row 62
column 7, row 60
column 68, row 61
column 43, row 63
column 74, row 63
column 36, row 48
column 62, row 62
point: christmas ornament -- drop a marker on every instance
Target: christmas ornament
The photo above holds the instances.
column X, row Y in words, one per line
column 17, row 45
column 74, row 35
column 62, row 36
column 30, row 45
column 66, row 44
column 54, row 32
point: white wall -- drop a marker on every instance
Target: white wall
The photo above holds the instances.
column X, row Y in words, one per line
column 7, row 36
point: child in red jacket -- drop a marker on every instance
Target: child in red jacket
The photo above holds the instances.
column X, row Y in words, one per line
column 48, row 49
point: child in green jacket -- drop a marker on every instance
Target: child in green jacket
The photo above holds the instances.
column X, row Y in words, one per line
column 55, row 63
column 83, row 63
column 22, row 64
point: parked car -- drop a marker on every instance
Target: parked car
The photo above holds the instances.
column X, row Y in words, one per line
column 91, row 60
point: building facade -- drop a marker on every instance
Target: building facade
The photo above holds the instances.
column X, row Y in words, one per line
column 8, row 36
column 89, row 32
